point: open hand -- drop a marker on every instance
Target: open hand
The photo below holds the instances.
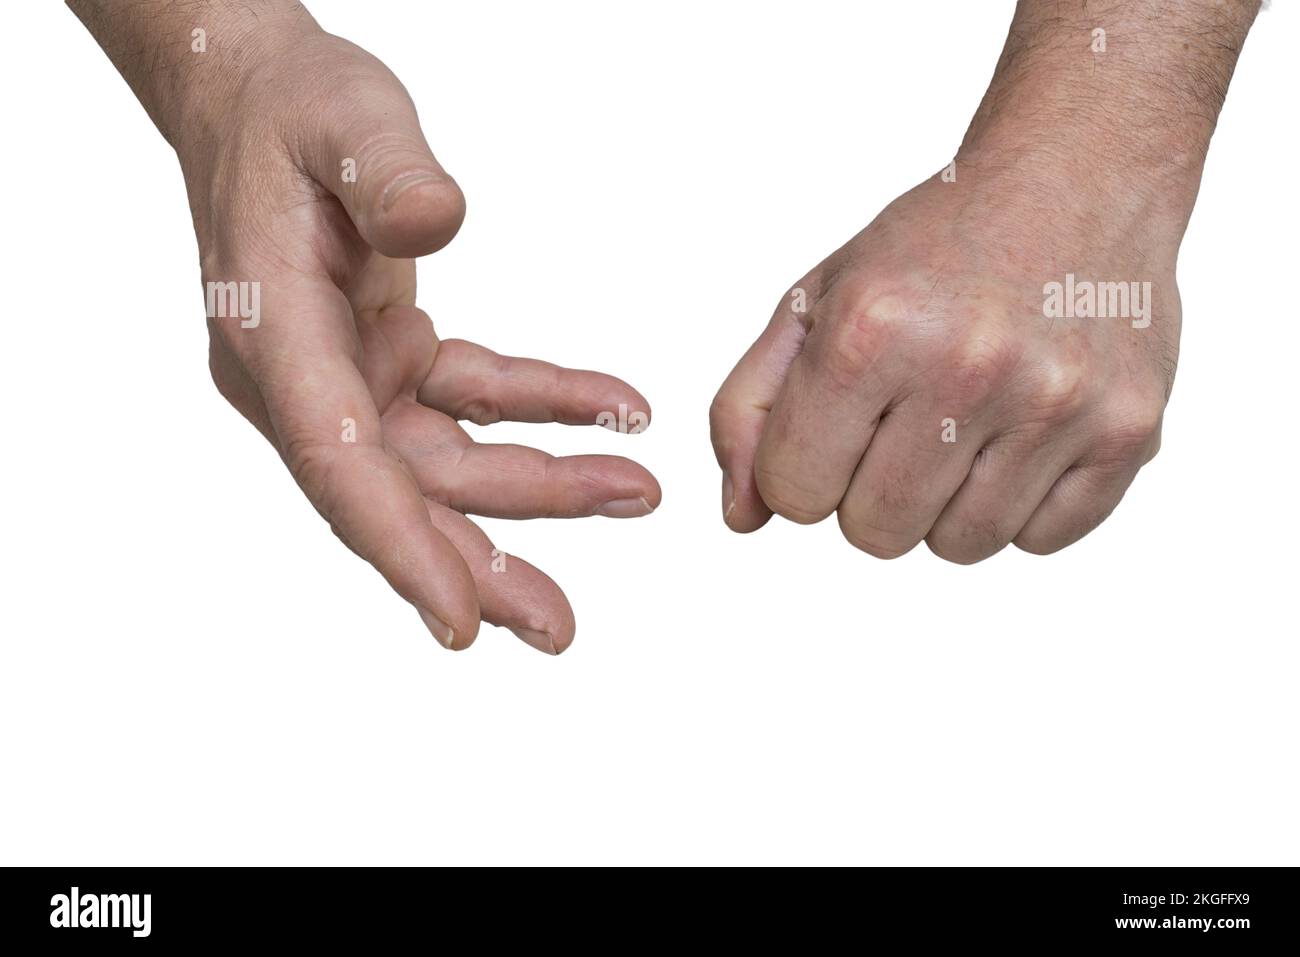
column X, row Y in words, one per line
column 312, row 187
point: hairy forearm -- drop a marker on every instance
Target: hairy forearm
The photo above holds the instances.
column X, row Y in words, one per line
column 184, row 58
column 1132, row 83
column 1110, row 101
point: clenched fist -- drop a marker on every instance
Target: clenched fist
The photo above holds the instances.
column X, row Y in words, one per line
column 989, row 360
column 912, row 384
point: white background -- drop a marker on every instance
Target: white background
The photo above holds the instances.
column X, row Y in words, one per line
column 193, row 670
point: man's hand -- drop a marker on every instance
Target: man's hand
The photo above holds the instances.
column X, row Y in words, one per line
column 312, row 186
column 990, row 359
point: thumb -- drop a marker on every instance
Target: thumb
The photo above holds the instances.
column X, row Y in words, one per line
column 740, row 409
column 373, row 156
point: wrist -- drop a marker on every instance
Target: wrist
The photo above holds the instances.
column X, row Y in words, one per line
column 1073, row 170
column 188, row 64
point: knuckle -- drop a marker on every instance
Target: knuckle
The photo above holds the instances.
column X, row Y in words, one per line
column 861, row 331
column 480, row 411
column 788, row 498
column 849, row 352
column 391, row 158
column 1059, row 388
column 230, row 377
column 221, row 377
column 722, row 413
column 1040, row 543
column 1065, row 529
column 876, row 542
column 1129, row 429
column 977, row 368
column 968, row 543
column 313, row 466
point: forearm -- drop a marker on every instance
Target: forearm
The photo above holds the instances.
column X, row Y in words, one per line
column 179, row 75
column 1136, row 103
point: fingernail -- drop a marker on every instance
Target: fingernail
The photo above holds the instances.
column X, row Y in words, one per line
column 728, row 496
column 538, row 639
column 441, row 630
column 625, row 508
column 400, row 185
